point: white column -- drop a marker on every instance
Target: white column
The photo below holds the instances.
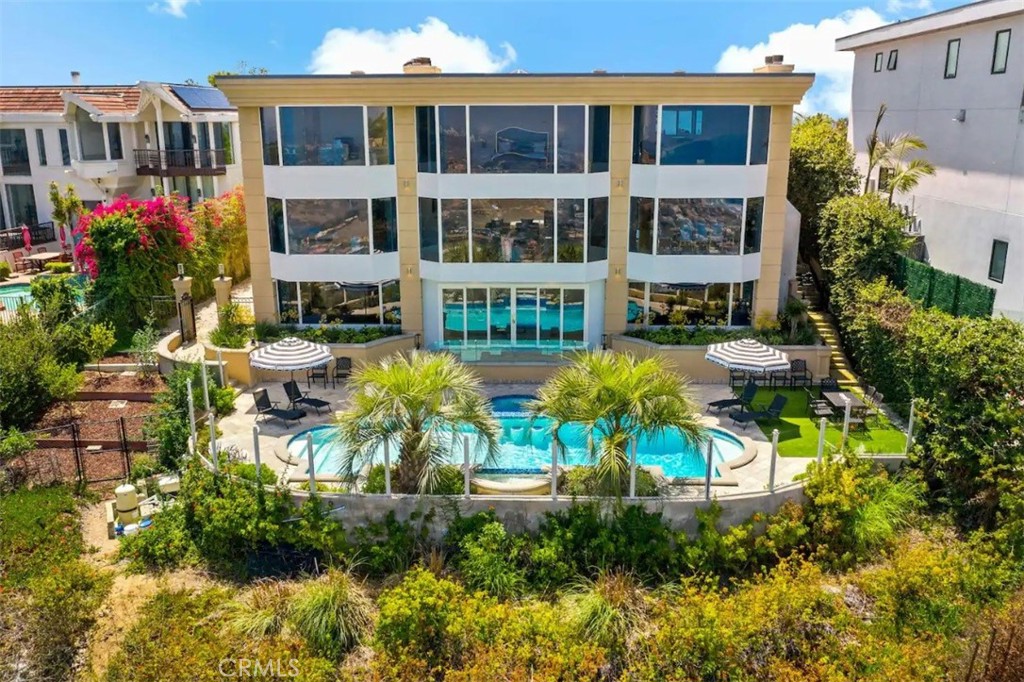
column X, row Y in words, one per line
column 106, row 141
column 213, row 143
column 387, row 468
column 775, row 457
column 821, row 438
column 161, row 143
column 220, row 366
column 194, row 131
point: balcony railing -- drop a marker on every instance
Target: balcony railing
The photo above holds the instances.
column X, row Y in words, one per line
column 13, row 238
column 178, row 162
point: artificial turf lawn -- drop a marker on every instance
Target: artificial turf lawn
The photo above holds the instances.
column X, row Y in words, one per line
column 798, row 432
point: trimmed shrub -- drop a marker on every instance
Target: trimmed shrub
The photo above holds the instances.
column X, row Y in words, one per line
column 333, row 614
column 59, row 268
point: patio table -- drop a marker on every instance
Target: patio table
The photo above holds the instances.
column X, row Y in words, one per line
column 836, row 399
column 40, row 259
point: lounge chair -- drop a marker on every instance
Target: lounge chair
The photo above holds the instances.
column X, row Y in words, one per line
column 265, row 408
column 774, row 411
column 743, row 402
column 297, row 397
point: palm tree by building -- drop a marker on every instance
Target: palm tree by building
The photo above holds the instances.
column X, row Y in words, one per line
column 418, row 403
column 889, row 151
column 617, row 397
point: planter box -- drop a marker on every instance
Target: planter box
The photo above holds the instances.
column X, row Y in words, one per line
column 689, row 360
column 130, row 396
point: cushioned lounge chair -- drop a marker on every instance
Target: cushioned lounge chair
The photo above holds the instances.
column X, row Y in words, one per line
column 297, row 397
column 265, row 408
column 774, row 411
column 743, row 402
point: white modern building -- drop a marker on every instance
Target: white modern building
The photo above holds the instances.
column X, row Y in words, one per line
column 956, row 79
column 108, row 141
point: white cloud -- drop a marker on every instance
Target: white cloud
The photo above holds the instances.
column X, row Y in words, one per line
column 811, row 49
column 347, row 49
column 902, row 8
column 176, row 8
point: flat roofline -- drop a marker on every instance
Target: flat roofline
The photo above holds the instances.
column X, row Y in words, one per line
column 642, row 74
column 976, row 12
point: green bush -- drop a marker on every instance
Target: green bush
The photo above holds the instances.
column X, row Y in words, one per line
column 584, row 481
column 98, row 339
column 268, row 333
column 489, row 562
column 233, row 328
column 450, row 480
column 144, row 466
column 165, row 545
column 29, row 369
column 333, row 614
column 390, row 546
column 59, row 268
column 5, row 271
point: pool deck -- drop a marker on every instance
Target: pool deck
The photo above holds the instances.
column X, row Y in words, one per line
column 237, row 431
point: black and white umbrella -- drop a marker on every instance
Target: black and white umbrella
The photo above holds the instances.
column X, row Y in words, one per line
column 747, row 355
column 288, row 355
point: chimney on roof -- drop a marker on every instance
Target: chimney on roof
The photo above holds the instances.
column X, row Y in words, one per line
column 420, row 65
column 76, row 78
column 773, row 64
column 357, row 72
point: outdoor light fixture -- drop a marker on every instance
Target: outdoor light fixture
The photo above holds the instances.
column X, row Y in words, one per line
column 961, row 116
column 146, row 138
column 220, row 269
column 181, row 270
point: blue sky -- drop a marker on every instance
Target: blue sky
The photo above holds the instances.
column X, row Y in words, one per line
column 41, row 41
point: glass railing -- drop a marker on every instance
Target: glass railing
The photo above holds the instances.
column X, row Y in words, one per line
column 553, row 351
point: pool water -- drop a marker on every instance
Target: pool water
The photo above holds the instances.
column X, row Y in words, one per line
column 525, row 447
column 13, row 295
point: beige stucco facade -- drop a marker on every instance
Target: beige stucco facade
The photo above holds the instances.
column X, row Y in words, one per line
column 621, row 93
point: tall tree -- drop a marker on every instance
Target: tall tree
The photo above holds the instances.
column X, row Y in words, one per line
column 821, row 167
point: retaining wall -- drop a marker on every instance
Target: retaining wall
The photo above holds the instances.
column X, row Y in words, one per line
column 689, row 360
column 525, row 514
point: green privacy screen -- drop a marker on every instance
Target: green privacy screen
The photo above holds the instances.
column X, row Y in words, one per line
column 943, row 290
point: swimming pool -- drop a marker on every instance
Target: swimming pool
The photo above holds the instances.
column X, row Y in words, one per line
column 13, row 295
column 525, row 447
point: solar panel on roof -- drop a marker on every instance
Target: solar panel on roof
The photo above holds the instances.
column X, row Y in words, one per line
column 196, row 97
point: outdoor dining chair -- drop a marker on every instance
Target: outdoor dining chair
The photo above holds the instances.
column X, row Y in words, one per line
column 316, row 374
column 342, row 369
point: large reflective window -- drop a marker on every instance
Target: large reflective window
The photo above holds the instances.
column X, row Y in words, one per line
column 385, row 225
column 571, row 230
column 759, row 135
column 453, row 316
column 699, row 226
column 275, row 222
column 598, row 229
column 21, row 199
column 322, row 136
column 114, row 141
column 455, row 230
column 501, row 315
column 549, row 320
column 600, row 138
column 391, row 294
column 526, row 322
column 513, row 230
column 428, row 229
column 689, row 304
column 268, row 126
column 641, row 225
column 645, row 134
column 476, row 316
column 571, row 141
column 380, row 130
column 704, row 135
column 452, row 121
column 14, row 151
column 90, row 137
column 426, row 139
column 752, row 230
column 742, row 304
column 328, row 226
column 573, row 315
column 512, row 139
column 635, row 303
column 287, row 301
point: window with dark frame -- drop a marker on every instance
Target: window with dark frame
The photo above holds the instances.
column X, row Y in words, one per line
column 41, row 145
column 893, row 57
column 1001, row 51
column 952, row 57
column 879, row 59
column 997, row 264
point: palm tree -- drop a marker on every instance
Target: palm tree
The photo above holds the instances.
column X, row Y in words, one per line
column 618, row 397
column 875, row 149
column 903, row 175
column 418, row 402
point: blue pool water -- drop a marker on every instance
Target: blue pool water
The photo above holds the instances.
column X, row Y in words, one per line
column 13, row 295
column 526, row 447
column 569, row 320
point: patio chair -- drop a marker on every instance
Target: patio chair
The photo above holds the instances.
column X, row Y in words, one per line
column 736, row 377
column 41, row 249
column 19, row 261
column 828, row 385
column 773, row 412
column 743, row 402
column 875, row 405
column 297, row 397
column 798, row 374
column 819, row 408
column 265, row 408
column 316, row 374
column 342, row 369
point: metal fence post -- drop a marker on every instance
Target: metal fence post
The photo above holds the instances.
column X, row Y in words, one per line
column 465, row 465
column 256, row 452
column 220, row 366
column 707, row 480
column 77, row 448
column 775, row 457
column 823, row 424
column 910, row 429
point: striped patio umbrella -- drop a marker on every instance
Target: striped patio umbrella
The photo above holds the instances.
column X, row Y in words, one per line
column 288, row 355
column 747, row 355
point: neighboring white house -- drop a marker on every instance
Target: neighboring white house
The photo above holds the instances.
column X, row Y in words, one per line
column 108, row 141
column 956, row 79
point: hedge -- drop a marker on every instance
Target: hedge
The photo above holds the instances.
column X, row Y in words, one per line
column 950, row 293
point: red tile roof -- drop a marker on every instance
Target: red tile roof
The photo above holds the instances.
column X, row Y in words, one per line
column 47, row 99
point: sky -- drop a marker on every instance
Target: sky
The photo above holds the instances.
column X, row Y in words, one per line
column 124, row 41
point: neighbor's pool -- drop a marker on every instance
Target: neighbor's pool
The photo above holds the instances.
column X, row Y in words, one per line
column 526, row 447
column 13, row 295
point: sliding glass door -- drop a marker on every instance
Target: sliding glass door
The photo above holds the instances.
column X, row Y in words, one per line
column 513, row 316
